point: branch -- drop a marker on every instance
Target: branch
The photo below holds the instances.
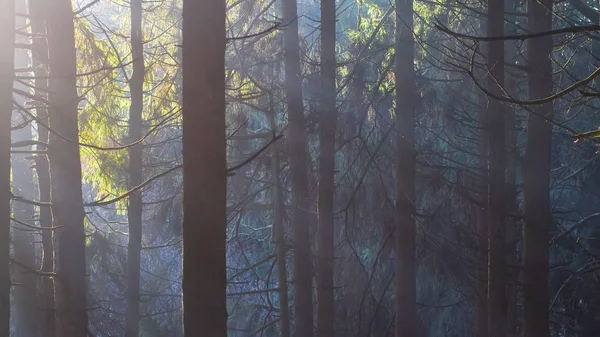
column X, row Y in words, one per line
column 572, row 29
column 230, row 171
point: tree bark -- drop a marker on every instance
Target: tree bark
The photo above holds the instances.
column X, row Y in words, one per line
column 298, row 149
column 26, row 322
column 405, row 280
column 280, row 247
column 134, row 207
column 65, row 171
column 7, row 36
column 25, row 313
column 328, row 111
column 512, row 270
column 497, row 302
column 204, row 169
column 39, row 55
column 537, row 177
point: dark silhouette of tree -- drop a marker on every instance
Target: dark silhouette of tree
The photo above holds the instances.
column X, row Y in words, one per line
column 537, row 176
column 497, row 202
column 298, row 149
column 406, row 201
column 134, row 207
column 204, row 169
column 65, row 171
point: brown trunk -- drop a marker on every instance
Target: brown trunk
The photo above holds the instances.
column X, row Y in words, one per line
column 537, row 177
column 325, row 285
column 65, row 172
column 497, row 303
column 40, row 64
column 204, row 169
column 298, row 149
column 134, row 207
column 6, row 81
column 406, row 312
column 281, row 251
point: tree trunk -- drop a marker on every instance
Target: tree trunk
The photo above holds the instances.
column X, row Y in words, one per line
column 65, row 171
column 26, row 320
column 298, row 149
column 325, row 286
column 497, row 302
column 512, row 270
column 134, row 207
column 42, row 168
column 537, row 177
column 481, row 310
column 7, row 36
column 406, row 312
column 204, row 169
column 281, row 251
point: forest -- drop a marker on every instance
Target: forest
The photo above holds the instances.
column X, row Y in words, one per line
column 299, row 168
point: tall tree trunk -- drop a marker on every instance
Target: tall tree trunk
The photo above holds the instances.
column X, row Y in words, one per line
column 7, row 36
column 481, row 310
column 325, row 286
column 65, row 171
column 406, row 292
column 298, row 149
column 42, row 168
column 134, row 207
column 537, row 176
column 26, row 320
column 281, row 251
column 204, row 169
column 497, row 303
column 512, row 270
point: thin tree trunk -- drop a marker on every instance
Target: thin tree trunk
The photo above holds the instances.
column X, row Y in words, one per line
column 406, row 292
column 512, row 270
column 497, row 302
column 42, row 168
column 281, row 251
column 537, row 177
column 6, row 82
column 26, row 322
column 204, row 169
column 481, row 310
column 303, row 305
column 325, row 285
column 134, row 207
column 65, row 171
column 26, row 319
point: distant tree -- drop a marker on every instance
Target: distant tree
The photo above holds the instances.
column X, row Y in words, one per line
column 328, row 112
column 39, row 55
column 134, row 207
column 497, row 202
column 204, row 169
column 7, row 37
